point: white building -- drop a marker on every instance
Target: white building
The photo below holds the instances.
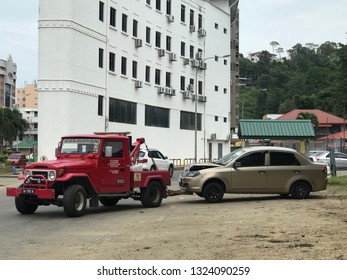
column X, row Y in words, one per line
column 130, row 66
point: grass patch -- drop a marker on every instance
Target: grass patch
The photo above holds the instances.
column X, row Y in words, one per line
column 337, row 186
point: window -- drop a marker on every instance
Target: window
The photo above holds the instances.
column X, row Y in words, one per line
column 135, row 27
column 282, row 159
column 183, row 13
column 216, row 118
column 225, row 31
column 168, row 79
column 200, row 87
column 158, row 5
column 124, row 23
column 225, row 62
column 156, row 116
column 124, row 66
column 168, row 7
column 168, row 43
column 100, row 105
column 191, row 52
column 157, row 39
column 112, row 62
column 183, row 83
column 101, row 58
column 225, row 119
column 215, row 88
column 116, row 147
column 225, row 90
column 254, row 159
column 187, row 121
column 183, row 49
column 101, row 11
column 157, row 77
column 122, row 111
column 148, row 74
column 148, row 2
column 216, row 25
column 113, row 17
column 199, row 21
column 191, row 17
column 148, row 35
column 134, row 73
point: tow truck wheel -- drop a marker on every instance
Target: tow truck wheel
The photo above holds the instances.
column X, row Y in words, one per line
column 108, row 201
column 75, row 201
column 24, row 206
column 152, row 195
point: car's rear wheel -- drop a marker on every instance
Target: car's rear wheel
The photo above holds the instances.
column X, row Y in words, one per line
column 152, row 195
column 213, row 192
column 300, row 190
column 109, row 201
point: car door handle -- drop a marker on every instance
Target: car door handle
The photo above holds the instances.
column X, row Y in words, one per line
column 262, row 172
column 297, row 171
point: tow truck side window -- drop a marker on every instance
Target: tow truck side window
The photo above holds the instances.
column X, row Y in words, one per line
column 115, row 146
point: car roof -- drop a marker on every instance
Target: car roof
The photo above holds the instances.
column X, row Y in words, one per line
column 268, row 148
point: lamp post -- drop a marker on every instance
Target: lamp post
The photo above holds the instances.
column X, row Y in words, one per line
column 196, row 104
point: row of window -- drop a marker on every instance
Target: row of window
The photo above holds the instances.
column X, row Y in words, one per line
column 122, row 111
column 147, row 76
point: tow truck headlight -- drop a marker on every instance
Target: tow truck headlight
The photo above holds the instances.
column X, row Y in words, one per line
column 27, row 173
column 51, row 175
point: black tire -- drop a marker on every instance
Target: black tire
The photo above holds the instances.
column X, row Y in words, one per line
column 109, row 201
column 171, row 170
column 75, row 201
column 300, row 190
column 152, row 195
column 25, row 206
column 213, row 192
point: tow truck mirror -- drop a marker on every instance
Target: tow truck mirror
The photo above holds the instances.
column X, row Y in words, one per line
column 108, row 151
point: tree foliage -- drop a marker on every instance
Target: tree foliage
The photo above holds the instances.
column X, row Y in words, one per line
column 307, row 79
column 11, row 125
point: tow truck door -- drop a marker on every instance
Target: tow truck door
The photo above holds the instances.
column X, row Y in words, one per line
column 114, row 170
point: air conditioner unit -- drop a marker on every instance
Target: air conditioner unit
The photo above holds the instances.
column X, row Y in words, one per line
column 192, row 28
column 202, row 98
column 173, row 92
column 186, row 61
column 170, row 18
column 186, row 95
column 138, row 43
column 213, row 136
column 203, row 65
column 138, row 84
column 193, row 97
column 202, row 32
column 161, row 90
column 161, row 52
column 168, row 91
column 198, row 56
column 196, row 63
column 190, row 88
column 173, row 57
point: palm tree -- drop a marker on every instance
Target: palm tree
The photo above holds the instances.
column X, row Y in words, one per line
column 274, row 44
column 309, row 116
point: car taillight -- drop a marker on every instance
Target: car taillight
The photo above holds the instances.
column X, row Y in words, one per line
column 144, row 160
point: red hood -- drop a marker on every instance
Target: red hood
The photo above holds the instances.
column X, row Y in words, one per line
column 63, row 163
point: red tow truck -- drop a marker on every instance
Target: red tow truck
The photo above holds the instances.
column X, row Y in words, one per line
column 90, row 167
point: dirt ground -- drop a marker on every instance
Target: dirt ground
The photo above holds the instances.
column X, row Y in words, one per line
column 248, row 227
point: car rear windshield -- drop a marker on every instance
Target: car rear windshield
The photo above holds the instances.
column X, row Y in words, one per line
column 15, row 156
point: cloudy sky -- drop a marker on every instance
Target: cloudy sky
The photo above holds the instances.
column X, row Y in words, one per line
column 287, row 22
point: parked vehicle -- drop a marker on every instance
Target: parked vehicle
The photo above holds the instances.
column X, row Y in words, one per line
column 256, row 170
column 153, row 159
column 89, row 167
column 17, row 160
column 340, row 159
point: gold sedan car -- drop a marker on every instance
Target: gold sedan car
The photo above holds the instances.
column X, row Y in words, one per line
column 256, row 170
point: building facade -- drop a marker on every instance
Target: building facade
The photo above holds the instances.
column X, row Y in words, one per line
column 144, row 66
column 27, row 97
column 8, row 76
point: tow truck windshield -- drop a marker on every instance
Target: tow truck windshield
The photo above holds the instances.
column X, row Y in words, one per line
column 80, row 146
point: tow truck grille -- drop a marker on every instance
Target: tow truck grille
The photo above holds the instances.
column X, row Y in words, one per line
column 40, row 172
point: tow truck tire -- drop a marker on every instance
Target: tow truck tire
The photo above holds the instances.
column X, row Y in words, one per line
column 75, row 201
column 24, row 206
column 152, row 195
column 109, row 201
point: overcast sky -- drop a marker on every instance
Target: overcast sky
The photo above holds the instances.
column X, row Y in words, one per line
column 287, row 22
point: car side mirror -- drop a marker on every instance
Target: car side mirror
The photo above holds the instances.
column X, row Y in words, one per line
column 237, row 164
column 165, row 157
column 108, row 151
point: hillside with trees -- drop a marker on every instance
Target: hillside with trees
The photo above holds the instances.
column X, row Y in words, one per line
column 307, row 79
